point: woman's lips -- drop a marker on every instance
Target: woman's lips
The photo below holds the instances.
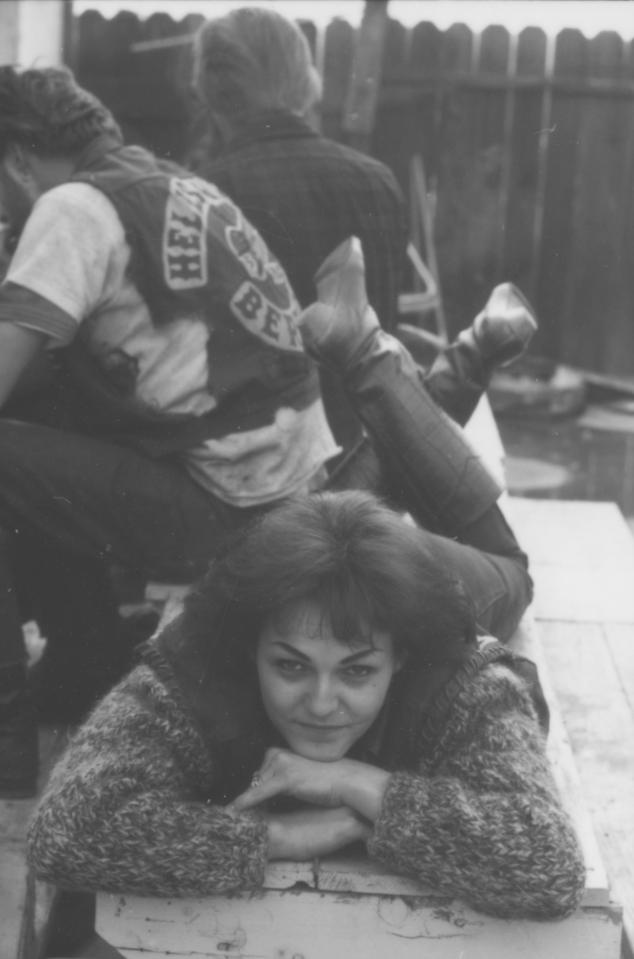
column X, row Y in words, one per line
column 319, row 728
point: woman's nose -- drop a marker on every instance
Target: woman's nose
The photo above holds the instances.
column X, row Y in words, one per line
column 322, row 698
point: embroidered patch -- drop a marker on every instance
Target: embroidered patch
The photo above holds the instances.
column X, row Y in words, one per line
column 261, row 317
column 185, row 233
column 249, row 279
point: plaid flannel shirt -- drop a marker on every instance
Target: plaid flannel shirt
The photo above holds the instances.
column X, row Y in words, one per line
column 306, row 194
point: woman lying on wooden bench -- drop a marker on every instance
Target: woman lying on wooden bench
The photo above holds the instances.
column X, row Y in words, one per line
column 323, row 685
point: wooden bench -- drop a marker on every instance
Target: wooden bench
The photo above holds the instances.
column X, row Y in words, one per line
column 343, row 910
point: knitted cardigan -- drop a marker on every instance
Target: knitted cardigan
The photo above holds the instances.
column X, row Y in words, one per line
column 130, row 807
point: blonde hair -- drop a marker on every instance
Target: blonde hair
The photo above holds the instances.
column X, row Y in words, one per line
column 254, row 59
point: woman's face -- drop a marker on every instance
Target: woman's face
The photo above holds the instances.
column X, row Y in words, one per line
column 320, row 694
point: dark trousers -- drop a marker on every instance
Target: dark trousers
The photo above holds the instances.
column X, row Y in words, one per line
column 418, row 459
column 71, row 506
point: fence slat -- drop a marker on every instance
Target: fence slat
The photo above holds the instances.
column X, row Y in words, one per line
column 394, row 136
column 471, row 186
column 310, row 32
column 103, row 44
column 496, row 56
column 424, row 61
column 365, row 76
column 338, row 53
column 598, row 287
column 409, row 124
column 555, row 254
column 526, row 163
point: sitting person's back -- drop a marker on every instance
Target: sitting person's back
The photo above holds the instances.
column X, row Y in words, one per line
column 304, row 192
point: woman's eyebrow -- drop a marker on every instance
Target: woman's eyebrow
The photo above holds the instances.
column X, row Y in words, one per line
column 291, row 649
column 362, row 652
column 347, row 659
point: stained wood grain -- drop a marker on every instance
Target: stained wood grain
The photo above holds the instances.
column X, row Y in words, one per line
column 582, row 559
column 591, row 667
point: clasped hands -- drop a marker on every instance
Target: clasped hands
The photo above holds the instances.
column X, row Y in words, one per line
column 343, row 798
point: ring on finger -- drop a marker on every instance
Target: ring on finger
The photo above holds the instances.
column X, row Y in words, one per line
column 256, row 780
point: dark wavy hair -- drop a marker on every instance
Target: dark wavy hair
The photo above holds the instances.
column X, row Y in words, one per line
column 363, row 565
column 48, row 112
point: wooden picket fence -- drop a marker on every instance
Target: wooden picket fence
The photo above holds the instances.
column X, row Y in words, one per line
column 527, row 142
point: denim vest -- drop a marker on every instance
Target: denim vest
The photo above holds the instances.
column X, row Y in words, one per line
column 194, row 254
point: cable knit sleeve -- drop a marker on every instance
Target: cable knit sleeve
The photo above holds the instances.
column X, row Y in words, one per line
column 484, row 822
column 120, row 814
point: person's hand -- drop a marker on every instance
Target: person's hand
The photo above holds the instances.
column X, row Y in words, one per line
column 344, row 782
column 313, row 832
column 284, row 772
column 335, row 328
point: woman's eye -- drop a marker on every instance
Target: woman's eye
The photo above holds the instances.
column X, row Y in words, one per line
column 358, row 671
column 289, row 667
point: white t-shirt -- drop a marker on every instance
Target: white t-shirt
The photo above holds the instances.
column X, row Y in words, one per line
column 73, row 252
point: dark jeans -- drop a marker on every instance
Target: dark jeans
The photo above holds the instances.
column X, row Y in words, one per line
column 455, row 377
column 418, row 459
column 72, row 505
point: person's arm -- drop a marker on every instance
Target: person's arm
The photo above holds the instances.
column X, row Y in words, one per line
column 19, row 348
column 66, row 260
column 486, row 823
column 313, row 831
column 122, row 813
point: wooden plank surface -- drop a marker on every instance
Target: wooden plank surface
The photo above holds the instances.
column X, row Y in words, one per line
column 316, row 925
column 590, row 687
column 620, row 641
column 582, row 559
column 528, row 641
column 582, row 556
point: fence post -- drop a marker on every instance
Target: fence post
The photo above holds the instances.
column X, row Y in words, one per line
column 365, row 78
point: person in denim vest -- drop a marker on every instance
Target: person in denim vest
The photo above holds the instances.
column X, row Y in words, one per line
column 179, row 396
